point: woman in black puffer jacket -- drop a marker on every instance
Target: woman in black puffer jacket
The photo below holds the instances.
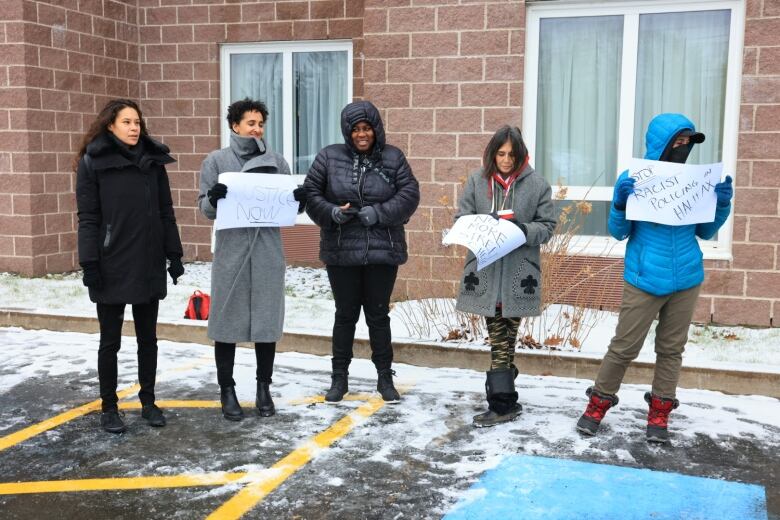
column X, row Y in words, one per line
column 127, row 230
column 361, row 193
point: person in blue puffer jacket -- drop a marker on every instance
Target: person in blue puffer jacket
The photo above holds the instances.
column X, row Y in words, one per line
column 662, row 277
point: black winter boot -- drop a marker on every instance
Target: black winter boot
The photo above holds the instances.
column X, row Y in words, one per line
column 339, row 387
column 112, row 422
column 501, row 397
column 231, row 410
column 263, row 401
column 153, row 415
column 385, row 387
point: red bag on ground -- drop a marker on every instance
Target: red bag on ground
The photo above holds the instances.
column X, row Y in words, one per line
column 198, row 306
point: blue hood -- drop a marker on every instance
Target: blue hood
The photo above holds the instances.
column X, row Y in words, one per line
column 662, row 129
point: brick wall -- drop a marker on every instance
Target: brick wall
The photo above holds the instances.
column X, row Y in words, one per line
column 747, row 290
column 446, row 76
column 180, row 91
column 59, row 61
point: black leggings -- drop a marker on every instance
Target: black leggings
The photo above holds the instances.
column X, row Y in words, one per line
column 111, row 317
column 225, row 354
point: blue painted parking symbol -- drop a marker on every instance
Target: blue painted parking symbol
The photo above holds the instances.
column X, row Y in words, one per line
column 540, row 488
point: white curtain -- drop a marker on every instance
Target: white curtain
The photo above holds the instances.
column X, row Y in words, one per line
column 681, row 67
column 259, row 77
column 578, row 105
column 319, row 96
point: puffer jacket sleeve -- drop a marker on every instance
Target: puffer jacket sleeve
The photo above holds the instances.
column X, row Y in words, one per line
column 541, row 228
column 167, row 215
column 209, row 176
column 89, row 213
column 317, row 206
column 619, row 226
column 707, row 230
column 399, row 208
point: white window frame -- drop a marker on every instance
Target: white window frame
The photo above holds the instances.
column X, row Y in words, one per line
column 286, row 49
column 597, row 245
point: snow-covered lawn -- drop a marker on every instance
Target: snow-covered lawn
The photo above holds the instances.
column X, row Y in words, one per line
column 309, row 309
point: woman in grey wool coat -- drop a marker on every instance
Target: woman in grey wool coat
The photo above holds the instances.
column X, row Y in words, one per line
column 247, row 273
column 510, row 288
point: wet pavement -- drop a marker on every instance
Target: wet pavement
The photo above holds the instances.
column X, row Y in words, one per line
column 413, row 460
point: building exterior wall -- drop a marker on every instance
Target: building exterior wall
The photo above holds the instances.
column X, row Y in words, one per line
column 445, row 74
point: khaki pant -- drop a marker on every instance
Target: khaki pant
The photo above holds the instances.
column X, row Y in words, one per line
column 637, row 313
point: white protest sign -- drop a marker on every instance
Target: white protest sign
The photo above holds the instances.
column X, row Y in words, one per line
column 671, row 193
column 256, row 200
column 488, row 238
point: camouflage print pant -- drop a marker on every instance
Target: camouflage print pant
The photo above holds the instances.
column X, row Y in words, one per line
column 503, row 337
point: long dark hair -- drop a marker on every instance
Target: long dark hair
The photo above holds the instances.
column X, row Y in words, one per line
column 104, row 119
column 502, row 135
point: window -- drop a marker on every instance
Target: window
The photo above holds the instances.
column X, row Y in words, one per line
column 304, row 84
column 595, row 76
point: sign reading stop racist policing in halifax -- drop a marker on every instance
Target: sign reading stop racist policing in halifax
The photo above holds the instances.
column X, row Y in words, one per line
column 488, row 238
column 671, row 193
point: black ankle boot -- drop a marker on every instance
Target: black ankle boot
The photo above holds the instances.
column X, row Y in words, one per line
column 264, row 403
column 230, row 407
column 339, row 387
column 502, row 399
column 385, row 387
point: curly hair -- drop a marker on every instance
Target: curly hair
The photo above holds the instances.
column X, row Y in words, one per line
column 236, row 111
column 104, row 119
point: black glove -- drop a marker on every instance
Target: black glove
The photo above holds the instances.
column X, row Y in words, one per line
column 299, row 194
column 92, row 276
column 218, row 191
column 368, row 216
column 340, row 216
column 176, row 268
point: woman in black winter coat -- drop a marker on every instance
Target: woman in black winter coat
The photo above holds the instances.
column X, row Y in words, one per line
column 127, row 230
column 361, row 193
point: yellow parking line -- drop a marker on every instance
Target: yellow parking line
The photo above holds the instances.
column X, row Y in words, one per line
column 321, row 399
column 57, row 420
column 102, row 484
column 254, row 492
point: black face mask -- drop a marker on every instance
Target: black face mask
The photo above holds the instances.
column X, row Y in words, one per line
column 678, row 155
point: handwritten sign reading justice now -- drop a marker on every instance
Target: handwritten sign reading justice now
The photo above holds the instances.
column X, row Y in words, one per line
column 488, row 238
column 671, row 193
column 256, row 200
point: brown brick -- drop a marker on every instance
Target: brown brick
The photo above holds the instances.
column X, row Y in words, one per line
column 750, row 61
column 412, row 19
column 60, row 262
column 753, row 256
column 409, row 120
column 432, row 145
column 486, row 94
column 761, row 32
column 192, row 14
column 724, row 282
column 375, row 21
column 435, row 44
column 767, row 118
column 388, row 96
column 387, row 46
column 375, row 71
column 497, row 117
column 507, row 15
column 760, row 146
column 325, row 9
column 177, row 34
column 759, row 89
column 436, row 194
column 461, row 17
column 66, row 202
column 756, row 201
column 768, row 61
column 472, row 145
column 353, row 8
column 766, row 173
column 455, row 170
column 479, row 43
column 737, row 311
column 29, row 204
column 58, row 222
column 746, row 118
column 417, row 268
column 458, row 119
column 435, row 94
column 764, row 229
column 504, row 68
column 703, row 311
column 197, row 52
column 765, row 285
column 414, row 70
column 276, row 30
column 753, row 8
column 310, row 30
column 160, row 15
column 346, row 28
column 51, row 15
column 459, row 69
column 292, row 10
column 771, row 8
column 242, row 32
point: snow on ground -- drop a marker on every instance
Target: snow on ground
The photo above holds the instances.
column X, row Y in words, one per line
column 309, row 308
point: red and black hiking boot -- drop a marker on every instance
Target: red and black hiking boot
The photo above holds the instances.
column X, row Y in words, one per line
column 658, row 417
column 597, row 408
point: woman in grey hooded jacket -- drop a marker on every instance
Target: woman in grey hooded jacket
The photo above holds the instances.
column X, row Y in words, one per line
column 247, row 273
column 510, row 288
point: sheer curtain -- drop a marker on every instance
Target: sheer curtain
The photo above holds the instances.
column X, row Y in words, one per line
column 578, row 105
column 319, row 94
column 681, row 67
column 259, row 76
